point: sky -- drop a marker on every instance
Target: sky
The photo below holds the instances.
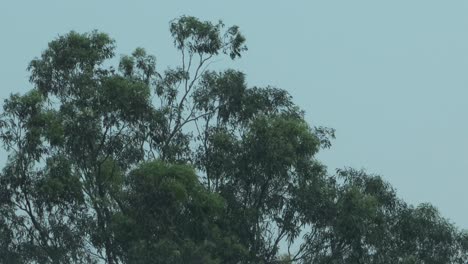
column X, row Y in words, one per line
column 390, row 76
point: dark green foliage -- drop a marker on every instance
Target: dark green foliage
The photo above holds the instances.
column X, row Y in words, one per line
column 168, row 216
column 131, row 165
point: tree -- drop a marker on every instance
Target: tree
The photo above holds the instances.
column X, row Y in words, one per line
column 128, row 164
column 369, row 224
column 166, row 202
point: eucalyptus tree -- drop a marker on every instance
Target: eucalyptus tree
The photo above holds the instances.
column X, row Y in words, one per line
column 367, row 223
column 74, row 137
column 130, row 164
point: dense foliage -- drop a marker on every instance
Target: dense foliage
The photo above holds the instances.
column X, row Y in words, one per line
column 130, row 164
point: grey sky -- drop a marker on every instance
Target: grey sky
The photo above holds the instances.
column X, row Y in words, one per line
column 390, row 76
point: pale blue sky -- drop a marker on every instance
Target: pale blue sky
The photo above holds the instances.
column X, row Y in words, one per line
column 390, row 76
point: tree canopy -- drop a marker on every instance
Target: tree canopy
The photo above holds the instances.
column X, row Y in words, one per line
column 131, row 164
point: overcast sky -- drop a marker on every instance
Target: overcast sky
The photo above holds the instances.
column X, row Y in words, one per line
column 390, row 76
